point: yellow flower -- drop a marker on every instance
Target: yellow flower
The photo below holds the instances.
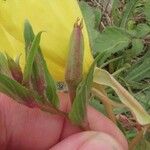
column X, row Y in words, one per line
column 56, row 17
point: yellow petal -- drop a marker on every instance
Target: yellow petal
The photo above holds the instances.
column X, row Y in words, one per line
column 9, row 44
column 56, row 17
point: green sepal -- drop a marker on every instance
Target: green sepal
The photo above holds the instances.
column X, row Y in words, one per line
column 78, row 111
column 130, row 7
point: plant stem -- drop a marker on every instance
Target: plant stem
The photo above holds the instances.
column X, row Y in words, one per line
column 107, row 104
column 136, row 140
column 110, row 61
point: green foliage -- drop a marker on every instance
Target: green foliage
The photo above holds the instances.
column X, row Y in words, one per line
column 142, row 30
column 130, row 6
column 30, row 58
column 147, row 10
column 15, row 69
column 4, row 69
column 125, row 39
column 28, row 36
column 116, row 38
column 137, row 47
column 98, row 106
column 139, row 71
column 41, row 78
column 78, row 110
column 36, row 84
column 15, row 90
column 92, row 17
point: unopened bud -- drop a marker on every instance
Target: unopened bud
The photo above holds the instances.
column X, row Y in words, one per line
column 74, row 68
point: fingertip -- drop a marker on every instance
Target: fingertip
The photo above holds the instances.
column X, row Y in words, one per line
column 88, row 140
column 98, row 122
column 25, row 126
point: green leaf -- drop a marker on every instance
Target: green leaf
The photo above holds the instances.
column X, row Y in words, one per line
column 42, row 80
column 28, row 36
column 143, row 97
column 112, row 40
column 30, row 58
column 51, row 90
column 15, row 69
column 78, row 111
column 130, row 6
column 15, row 90
column 137, row 73
column 38, row 76
column 4, row 69
column 136, row 85
column 142, row 30
column 137, row 47
column 115, row 12
column 100, row 107
column 92, row 18
column 147, row 10
column 102, row 77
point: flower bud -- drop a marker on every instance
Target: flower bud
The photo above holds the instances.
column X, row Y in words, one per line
column 74, row 69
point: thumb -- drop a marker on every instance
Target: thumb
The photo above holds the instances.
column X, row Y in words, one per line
column 88, row 140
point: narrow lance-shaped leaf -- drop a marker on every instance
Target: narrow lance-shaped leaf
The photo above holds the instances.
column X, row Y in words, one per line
column 50, row 86
column 51, row 90
column 137, row 73
column 30, row 58
column 4, row 69
column 147, row 10
column 41, row 79
column 37, row 77
column 15, row 90
column 15, row 69
column 28, row 36
column 78, row 111
column 102, row 77
column 127, row 13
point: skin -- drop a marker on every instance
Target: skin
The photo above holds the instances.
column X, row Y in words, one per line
column 23, row 128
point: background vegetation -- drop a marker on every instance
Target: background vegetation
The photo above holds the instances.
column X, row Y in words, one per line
column 121, row 28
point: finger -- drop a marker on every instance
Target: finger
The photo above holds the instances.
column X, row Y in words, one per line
column 88, row 140
column 34, row 124
column 97, row 122
column 25, row 128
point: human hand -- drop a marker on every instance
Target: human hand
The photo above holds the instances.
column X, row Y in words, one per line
column 23, row 128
